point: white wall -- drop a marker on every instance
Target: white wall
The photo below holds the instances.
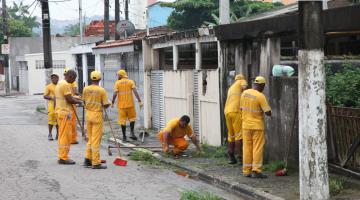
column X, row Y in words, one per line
column 137, row 13
column 210, row 126
column 178, row 93
column 36, row 77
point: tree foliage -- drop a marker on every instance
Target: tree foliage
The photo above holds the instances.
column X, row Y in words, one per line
column 20, row 22
column 72, row 30
column 342, row 86
column 189, row 14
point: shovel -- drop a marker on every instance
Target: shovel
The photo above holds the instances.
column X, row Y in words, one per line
column 118, row 160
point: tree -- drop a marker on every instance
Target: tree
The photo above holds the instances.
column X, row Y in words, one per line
column 20, row 22
column 72, row 30
column 189, row 14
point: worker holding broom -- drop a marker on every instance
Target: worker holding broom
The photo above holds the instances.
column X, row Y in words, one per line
column 49, row 95
column 74, row 90
column 174, row 134
column 233, row 118
column 64, row 102
column 123, row 90
column 253, row 106
column 96, row 100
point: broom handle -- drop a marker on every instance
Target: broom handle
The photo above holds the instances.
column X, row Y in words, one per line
column 291, row 132
column 112, row 132
column 78, row 120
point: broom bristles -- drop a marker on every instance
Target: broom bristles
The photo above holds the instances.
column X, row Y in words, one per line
column 120, row 162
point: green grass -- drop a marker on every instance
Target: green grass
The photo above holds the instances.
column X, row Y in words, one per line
column 212, row 152
column 144, row 157
column 195, row 195
column 274, row 166
column 335, row 185
column 40, row 109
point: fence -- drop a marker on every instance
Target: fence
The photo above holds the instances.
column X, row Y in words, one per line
column 344, row 136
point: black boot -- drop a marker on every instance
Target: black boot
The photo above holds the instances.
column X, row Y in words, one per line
column 232, row 158
column 100, row 166
column 124, row 138
column 133, row 136
column 87, row 163
column 50, row 138
column 66, row 162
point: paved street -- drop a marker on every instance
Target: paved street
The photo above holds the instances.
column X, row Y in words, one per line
column 28, row 168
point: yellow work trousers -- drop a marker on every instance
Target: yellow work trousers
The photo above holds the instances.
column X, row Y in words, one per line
column 253, row 148
column 180, row 144
column 51, row 115
column 73, row 127
column 64, row 122
column 94, row 132
column 126, row 113
column 234, row 123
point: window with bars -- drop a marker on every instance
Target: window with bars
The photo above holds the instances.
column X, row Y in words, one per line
column 57, row 64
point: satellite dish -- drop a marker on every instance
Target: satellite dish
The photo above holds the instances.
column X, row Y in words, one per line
column 125, row 27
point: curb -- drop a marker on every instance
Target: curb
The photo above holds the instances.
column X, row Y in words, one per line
column 237, row 188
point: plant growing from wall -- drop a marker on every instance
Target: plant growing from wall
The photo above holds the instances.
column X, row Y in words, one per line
column 343, row 86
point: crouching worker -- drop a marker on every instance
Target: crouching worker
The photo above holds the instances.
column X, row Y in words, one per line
column 63, row 110
column 174, row 133
column 96, row 101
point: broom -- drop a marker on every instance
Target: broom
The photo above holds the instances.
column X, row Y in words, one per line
column 283, row 172
column 81, row 126
column 118, row 160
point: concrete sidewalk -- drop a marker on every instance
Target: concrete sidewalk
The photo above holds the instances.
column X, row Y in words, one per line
column 213, row 168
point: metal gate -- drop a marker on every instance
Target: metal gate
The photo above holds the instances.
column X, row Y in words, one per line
column 111, row 66
column 196, row 103
column 157, row 99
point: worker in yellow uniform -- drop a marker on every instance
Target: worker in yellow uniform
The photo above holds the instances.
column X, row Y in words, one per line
column 233, row 118
column 253, row 106
column 96, row 100
column 63, row 108
column 174, row 134
column 50, row 96
column 74, row 90
column 123, row 90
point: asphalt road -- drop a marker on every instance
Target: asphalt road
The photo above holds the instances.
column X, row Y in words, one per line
column 29, row 169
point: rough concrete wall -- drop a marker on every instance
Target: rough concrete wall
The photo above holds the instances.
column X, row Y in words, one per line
column 283, row 94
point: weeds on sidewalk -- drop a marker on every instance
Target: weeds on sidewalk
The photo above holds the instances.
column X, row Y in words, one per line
column 195, row 195
column 212, row 156
column 41, row 109
column 336, row 185
column 144, row 157
column 274, row 166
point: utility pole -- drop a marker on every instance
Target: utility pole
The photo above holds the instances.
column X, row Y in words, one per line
column 5, row 44
column 126, row 9
column 81, row 22
column 48, row 64
column 313, row 158
column 147, row 22
column 106, row 20
column 117, row 19
column 224, row 11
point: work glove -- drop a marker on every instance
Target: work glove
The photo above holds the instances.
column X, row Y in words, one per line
column 141, row 105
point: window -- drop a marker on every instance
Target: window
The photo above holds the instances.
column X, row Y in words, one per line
column 57, row 64
column 166, row 58
column 186, row 56
column 209, row 55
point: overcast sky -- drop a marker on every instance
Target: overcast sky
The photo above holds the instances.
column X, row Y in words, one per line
column 68, row 9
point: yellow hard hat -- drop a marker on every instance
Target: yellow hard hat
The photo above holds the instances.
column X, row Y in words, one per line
column 239, row 77
column 95, row 75
column 260, row 80
column 122, row 73
column 66, row 70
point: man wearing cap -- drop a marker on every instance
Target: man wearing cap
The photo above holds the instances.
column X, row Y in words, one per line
column 233, row 118
column 63, row 110
column 96, row 100
column 49, row 95
column 174, row 134
column 253, row 105
column 123, row 90
column 74, row 90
